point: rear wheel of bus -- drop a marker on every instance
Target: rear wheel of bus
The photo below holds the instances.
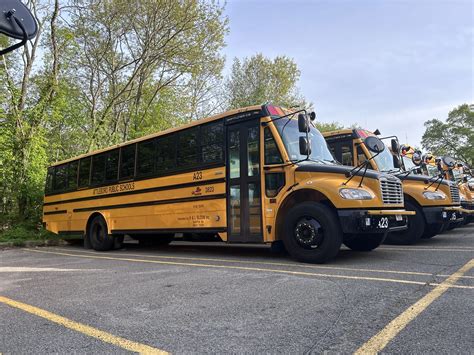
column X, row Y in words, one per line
column 98, row 235
column 415, row 230
column 312, row 233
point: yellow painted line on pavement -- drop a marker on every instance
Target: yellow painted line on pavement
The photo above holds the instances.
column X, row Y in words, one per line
column 422, row 247
column 428, row 249
column 233, row 267
column 378, row 342
column 300, row 265
column 462, row 277
column 82, row 328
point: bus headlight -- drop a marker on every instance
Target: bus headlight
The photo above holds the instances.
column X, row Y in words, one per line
column 434, row 195
column 355, row 194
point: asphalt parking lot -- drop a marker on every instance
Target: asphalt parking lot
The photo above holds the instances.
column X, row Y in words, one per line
column 204, row 298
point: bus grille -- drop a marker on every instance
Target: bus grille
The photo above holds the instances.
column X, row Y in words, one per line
column 454, row 193
column 392, row 191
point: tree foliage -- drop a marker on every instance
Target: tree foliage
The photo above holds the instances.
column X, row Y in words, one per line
column 257, row 80
column 455, row 137
column 98, row 73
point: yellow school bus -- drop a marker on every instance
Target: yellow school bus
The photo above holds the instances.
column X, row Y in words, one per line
column 259, row 174
column 436, row 203
column 461, row 174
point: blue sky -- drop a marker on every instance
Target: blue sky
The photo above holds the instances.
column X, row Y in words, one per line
column 381, row 63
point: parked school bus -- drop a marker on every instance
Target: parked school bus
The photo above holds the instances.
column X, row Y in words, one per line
column 461, row 174
column 435, row 202
column 260, row 174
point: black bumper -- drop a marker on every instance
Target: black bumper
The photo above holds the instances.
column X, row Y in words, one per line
column 468, row 206
column 436, row 215
column 360, row 222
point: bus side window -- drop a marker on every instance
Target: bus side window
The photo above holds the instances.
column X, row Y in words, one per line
column 188, row 147
column 84, row 172
column 274, row 183
column 49, row 181
column 98, row 169
column 212, row 142
column 346, row 153
column 272, row 154
column 72, row 175
column 60, row 178
column 333, row 152
column 360, row 155
column 111, row 165
column 127, row 162
column 146, row 158
column 166, row 153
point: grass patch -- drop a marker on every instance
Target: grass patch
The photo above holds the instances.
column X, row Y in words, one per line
column 20, row 233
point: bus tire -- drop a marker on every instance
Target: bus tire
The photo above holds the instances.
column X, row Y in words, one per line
column 364, row 242
column 98, row 235
column 312, row 233
column 433, row 229
column 416, row 228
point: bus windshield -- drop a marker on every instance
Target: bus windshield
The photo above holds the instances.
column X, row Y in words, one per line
column 384, row 161
column 290, row 134
column 457, row 174
column 432, row 170
column 408, row 163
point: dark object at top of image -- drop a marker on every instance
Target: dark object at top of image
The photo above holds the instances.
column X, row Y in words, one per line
column 16, row 21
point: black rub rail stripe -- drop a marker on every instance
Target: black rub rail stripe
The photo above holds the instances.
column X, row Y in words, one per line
column 142, row 191
column 151, row 203
column 169, row 230
column 55, row 212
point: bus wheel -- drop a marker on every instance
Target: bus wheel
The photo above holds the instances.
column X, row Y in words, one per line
column 416, row 228
column 98, row 236
column 312, row 233
column 433, row 229
column 364, row 242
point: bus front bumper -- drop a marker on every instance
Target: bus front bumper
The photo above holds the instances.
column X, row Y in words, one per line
column 457, row 213
column 434, row 215
column 373, row 221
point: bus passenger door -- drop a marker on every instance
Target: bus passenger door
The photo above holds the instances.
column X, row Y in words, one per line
column 244, row 213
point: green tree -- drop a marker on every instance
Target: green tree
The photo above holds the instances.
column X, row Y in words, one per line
column 98, row 73
column 455, row 137
column 257, row 80
column 328, row 126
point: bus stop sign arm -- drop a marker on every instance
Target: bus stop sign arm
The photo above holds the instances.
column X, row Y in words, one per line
column 16, row 21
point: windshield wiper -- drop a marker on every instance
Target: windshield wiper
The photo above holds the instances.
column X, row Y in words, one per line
column 365, row 164
column 440, row 178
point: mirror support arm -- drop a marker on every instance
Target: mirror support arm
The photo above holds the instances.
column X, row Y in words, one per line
column 10, row 15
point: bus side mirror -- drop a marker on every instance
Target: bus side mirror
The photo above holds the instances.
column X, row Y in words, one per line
column 416, row 158
column 374, row 144
column 303, row 124
column 305, row 147
column 16, row 21
column 448, row 161
column 395, row 146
